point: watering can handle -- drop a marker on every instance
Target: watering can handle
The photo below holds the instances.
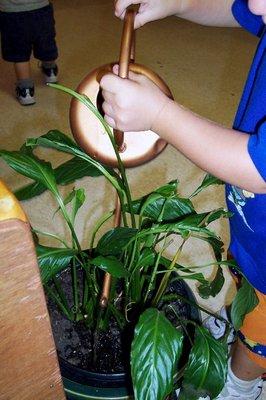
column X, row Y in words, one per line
column 127, row 55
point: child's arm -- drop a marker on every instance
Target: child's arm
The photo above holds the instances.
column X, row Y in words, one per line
column 137, row 104
column 205, row 12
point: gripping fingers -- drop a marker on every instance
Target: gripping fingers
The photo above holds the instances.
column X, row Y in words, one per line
column 121, row 6
column 107, row 108
column 109, row 114
column 110, row 121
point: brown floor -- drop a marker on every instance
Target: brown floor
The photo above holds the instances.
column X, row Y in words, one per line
column 204, row 67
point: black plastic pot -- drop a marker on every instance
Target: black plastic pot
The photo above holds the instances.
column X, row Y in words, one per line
column 81, row 384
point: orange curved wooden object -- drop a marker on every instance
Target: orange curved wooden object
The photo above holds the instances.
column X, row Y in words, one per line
column 29, row 366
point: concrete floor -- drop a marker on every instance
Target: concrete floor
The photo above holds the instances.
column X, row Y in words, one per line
column 204, row 67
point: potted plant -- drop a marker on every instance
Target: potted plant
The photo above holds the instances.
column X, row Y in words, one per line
column 165, row 347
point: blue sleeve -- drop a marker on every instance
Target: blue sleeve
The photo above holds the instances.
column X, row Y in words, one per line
column 253, row 23
column 257, row 149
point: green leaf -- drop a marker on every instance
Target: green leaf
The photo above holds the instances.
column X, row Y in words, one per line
column 163, row 204
column 155, row 352
column 194, row 276
column 66, row 173
column 77, row 197
column 212, row 288
column 59, row 141
column 168, row 190
column 115, row 240
column 146, row 257
column 32, row 167
column 159, row 208
column 53, row 260
column 111, row 265
column 206, row 370
column 75, row 168
column 244, row 302
column 207, row 181
column 192, row 223
column 29, row 191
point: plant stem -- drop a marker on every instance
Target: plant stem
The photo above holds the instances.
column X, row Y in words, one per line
column 155, row 269
column 165, row 279
column 66, row 311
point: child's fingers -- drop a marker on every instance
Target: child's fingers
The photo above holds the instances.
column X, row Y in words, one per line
column 108, row 96
column 132, row 75
column 110, row 121
column 121, row 6
column 111, row 83
column 107, row 108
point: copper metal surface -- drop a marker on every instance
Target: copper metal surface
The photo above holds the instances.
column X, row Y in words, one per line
column 90, row 134
column 108, row 277
column 135, row 148
column 127, row 54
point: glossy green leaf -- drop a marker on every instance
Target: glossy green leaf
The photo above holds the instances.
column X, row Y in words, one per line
column 244, row 302
column 77, row 198
column 75, row 168
column 193, row 223
column 29, row 191
column 115, row 240
column 159, row 208
column 146, row 257
column 208, row 180
column 66, row 173
column 213, row 287
column 206, row 370
column 31, row 167
column 168, row 190
column 111, row 265
column 163, row 204
column 59, row 141
column 53, row 260
column 155, row 352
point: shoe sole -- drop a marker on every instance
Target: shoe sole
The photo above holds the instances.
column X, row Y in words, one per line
column 51, row 80
column 28, row 102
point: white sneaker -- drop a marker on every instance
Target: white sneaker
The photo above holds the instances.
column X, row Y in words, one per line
column 25, row 95
column 235, row 388
column 217, row 327
column 50, row 74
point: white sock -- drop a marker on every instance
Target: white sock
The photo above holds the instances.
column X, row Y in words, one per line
column 240, row 385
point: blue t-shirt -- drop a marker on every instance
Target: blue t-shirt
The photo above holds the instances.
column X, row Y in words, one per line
column 248, row 224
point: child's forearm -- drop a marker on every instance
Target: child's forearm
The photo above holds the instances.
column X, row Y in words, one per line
column 208, row 12
column 216, row 149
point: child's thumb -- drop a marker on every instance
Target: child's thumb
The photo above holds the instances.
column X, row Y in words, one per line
column 131, row 75
column 111, row 83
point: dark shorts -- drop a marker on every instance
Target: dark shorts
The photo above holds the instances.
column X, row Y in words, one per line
column 25, row 32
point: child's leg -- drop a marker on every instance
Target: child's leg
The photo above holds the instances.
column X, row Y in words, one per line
column 248, row 360
column 45, row 48
column 243, row 366
column 22, row 70
column 16, row 48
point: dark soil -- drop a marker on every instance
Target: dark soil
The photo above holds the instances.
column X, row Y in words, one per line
column 75, row 342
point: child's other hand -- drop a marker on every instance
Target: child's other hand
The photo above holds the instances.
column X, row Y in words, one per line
column 149, row 10
column 131, row 104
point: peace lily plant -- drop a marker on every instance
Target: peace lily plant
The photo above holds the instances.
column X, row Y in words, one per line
column 134, row 255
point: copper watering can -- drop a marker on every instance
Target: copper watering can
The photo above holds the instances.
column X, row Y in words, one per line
column 134, row 148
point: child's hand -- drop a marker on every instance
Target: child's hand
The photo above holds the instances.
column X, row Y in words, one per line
column 131, row 104
column 149, row 10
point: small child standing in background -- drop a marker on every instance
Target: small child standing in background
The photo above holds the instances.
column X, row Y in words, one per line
column 28, row 26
